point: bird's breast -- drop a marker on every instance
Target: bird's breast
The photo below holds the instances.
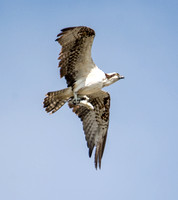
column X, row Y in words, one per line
column 91, row 83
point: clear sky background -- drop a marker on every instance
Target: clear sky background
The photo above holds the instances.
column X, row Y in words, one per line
column 44, row 157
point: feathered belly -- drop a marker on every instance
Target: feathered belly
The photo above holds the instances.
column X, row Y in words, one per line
column 86, row 88
column 90, row 89
column 90, row 84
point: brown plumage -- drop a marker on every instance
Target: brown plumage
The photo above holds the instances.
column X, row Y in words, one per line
column 84, row 92
column 95, row 123
column 76, row 45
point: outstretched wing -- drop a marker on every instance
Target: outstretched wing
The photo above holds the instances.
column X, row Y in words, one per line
column 75, row 56
column 95, row 123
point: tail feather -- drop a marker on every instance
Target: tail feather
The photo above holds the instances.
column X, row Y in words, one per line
column 55, row 100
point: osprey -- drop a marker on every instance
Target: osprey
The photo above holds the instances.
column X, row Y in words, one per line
column 84, row 92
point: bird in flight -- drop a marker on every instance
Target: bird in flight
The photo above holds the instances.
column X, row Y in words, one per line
column 84, row 92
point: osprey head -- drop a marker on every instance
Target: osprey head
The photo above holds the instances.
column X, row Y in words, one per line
column 112, row 78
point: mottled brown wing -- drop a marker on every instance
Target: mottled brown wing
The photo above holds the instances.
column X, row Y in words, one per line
column 95, row 123
column 75, row 56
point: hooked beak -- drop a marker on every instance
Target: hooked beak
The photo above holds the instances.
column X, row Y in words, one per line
column 121, row 77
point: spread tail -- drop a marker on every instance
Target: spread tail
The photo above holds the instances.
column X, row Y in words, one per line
column 55, row 100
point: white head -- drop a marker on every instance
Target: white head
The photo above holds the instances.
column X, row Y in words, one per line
column 112, row 78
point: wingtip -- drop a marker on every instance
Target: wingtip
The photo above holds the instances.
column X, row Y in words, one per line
column 90, row 152
column 64, row 30
column 98, row 156
column 96, row 165
column 99, row 164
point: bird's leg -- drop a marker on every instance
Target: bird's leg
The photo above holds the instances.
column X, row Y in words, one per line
column 76, row 100
column 82, row 101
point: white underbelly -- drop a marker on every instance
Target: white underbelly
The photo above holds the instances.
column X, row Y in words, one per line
column 89, row 89
column 90, row 84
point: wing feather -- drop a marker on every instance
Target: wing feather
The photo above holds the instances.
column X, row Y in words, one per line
column 95, row 123
column 75, row 56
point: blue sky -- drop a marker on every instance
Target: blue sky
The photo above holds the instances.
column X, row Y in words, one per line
column 45, row 156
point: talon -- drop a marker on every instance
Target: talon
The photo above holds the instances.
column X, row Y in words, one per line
column 76, row 101
column 82, row 101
